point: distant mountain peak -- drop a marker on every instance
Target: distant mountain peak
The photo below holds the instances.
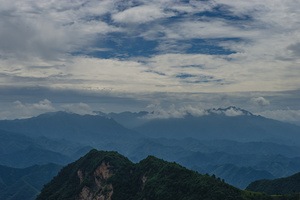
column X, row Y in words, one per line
column 70, row 126
column 60, row 113
column 230, row 111
column 54, row 114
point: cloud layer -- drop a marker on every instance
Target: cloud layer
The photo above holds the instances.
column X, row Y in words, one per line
column 150, row 47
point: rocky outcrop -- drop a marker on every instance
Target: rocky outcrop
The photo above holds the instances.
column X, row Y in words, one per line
column 99, row 189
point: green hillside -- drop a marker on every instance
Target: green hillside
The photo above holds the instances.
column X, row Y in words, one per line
column 288, row 185
column 109, row 175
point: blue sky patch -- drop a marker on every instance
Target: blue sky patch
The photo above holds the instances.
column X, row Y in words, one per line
column 184, row 76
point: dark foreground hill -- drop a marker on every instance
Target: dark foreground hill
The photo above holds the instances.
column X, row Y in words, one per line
column 109, row 175
column 288, row 185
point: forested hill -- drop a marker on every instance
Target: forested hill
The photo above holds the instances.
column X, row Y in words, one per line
column 288, row 185
column 109, row 175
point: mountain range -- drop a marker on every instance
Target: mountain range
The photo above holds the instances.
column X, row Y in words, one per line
column 216, row 142
column 231, row 124
column 222, row 124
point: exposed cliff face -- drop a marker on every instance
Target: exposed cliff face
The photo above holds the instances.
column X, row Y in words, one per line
column 99, row 189
column 88, row 194
column 86, row 179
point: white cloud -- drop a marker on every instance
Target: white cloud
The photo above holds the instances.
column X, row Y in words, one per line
column 195, row 111
column 213, row 28
column 141, row 14
column 160, row 113
column 79, row 108
column 19, row 109
column 44, row 105
column 292, row 116
column 49, row 29
column 156, row 111
column 233, row 112
column 260, row 101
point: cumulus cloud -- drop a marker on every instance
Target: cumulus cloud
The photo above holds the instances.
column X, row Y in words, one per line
column 160, row 113
column 260, row 101
column 44, row 105
column 172, row 112
column 18, row 109
column 233, row 112
column 49, row 29
column 195, row 111
column 141, row 14
column 229, row 112
column 79, row 108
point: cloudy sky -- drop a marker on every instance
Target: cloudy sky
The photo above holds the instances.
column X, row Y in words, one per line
column 117, row 55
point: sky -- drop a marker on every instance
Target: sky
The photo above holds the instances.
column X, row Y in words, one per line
column 172, row 55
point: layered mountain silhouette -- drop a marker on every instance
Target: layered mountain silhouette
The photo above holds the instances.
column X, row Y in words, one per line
column 238, row 176
column 109, row 175
column 19, row 150
column 16, row 184
column 217, row 142
column 230, row 123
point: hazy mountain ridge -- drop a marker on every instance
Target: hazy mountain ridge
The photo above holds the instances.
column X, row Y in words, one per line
column 231, row 147
column 278, row 166
column 19, row 150
column 33, row 155
column 86, row 129
column 109, row 175
column 16, row 184
column 237, row 176
column 242, row 128
column 135, row 119
column 127, row 119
